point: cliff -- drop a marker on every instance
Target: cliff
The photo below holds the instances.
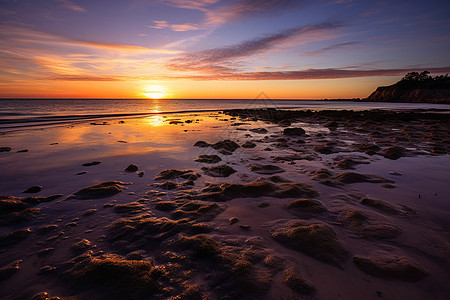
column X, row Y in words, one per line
column 415, row 87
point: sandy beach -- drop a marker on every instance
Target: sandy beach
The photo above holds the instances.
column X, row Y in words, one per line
column 239, row 204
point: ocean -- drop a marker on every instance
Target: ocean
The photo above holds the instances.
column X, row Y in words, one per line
column 31, row 113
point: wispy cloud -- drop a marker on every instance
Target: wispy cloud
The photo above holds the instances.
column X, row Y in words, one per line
column 70, row 5
column 331, row 48
column 175, row 27
column 191, row 4
column 84, row 78
column 309, row 74
column 242, row 9
column 220, row 58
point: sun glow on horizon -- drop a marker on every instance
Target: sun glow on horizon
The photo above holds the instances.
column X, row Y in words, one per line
column 155, row 92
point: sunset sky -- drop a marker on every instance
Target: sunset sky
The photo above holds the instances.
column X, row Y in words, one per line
column 217, row 48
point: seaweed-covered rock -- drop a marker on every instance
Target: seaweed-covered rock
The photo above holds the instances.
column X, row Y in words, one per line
column 10, row 270
column 316, row 239
column 248, row 144
column 394, row 152
column 351, row 177
column 369, row 225
column 226, row 145
column 294, row 280
column 132, row 207
column 201, row 144
column 94, row 163
column 219, row 171
column 306, row 206
column 259, row 130
column 132, row 168
column 101, row 190
column 132, row 279
column 208, row 159
column 197, row 210
column 202, row 245
column 386, row 207
column 173, row 174
column 386, row 265
column 33, row 190
column 258, row 188
column 294, row 131
column 165, row 205
column 14, row 237
column 265, row 169
column 81, row 246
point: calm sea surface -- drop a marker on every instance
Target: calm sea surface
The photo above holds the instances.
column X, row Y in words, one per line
column 20, row 113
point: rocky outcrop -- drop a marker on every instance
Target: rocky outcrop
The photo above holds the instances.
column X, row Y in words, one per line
column 434, row 90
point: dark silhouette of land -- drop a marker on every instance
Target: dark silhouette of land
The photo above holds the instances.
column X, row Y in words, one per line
column 415, row 87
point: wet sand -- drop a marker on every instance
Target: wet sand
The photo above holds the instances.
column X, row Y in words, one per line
column 244, row 204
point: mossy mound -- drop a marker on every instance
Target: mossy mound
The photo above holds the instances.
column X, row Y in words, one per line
column 101, row 190
column 294, row 280
column 316, row 239
column 258, row 188
column 198, row 211
column 368, row 225
column 17, row 209
column 386, row 265
column 306, row 206
column 173, row 174
column 135, row 279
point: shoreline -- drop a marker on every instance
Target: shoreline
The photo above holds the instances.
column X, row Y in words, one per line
column 374, row 204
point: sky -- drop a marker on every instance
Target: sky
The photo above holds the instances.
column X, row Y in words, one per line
column 288, row 49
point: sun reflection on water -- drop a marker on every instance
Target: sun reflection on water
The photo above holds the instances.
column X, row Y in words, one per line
column 155, row 120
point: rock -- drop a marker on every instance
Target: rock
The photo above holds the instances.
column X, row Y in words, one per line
column 368, row 225
column 34, row 189
column 10, row 270
column 248, row 144
column 208, row 159
column 390, row 266
column 141, row 174
column 201, row 144
column 5, row 149
column 132, row 168
column 173, row 174
column 263, row 204
column 316, row 239
column 136, row 255
column 233, row 220
column 351, row 177
column 129, row 277
column 81, row 246
column 278, row 179
column 81, row 173
column 386, row 207
column 219, row 171
column 294, row 131
column 94, row 163
column 306, row 206
column 259, row 130
column 332, row 125
column 294, row 280
column 265, row 169
column 394, row 152
column 324, row 149
column 201, row 245
column 196, row 210
column 168, row 185
column 132, row 207
column 257, row 188
column 45, row 251
column 245, row 227
column 14, row 237
column 165, row 205
column 89, row 212
column 101, row 190
column 22, row 151
column 226, row 145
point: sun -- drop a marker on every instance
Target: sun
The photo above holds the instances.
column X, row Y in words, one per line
column 155, row 92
